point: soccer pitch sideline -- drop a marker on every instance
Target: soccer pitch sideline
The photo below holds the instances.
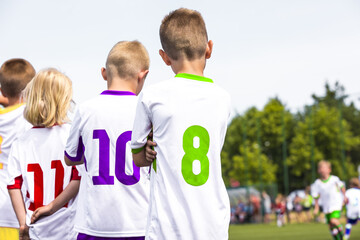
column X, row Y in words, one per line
column 308, row 231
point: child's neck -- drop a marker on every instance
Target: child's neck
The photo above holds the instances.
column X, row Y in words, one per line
column 195, row 67
column 324, row 177
column 119, row 84
column 14, row 101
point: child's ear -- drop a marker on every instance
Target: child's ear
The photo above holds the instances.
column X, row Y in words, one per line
column 103, row 73
column 209, row 48
column 3, row 99
column 165, row 57
column 2, row 93
column 142, row 75
column 140, row 81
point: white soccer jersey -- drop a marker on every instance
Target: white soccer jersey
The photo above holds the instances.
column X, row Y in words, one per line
column 189, row 116
column 12, row 123
column 353, row 206
column 114, row 193
column 36, row 161
column 329, row 192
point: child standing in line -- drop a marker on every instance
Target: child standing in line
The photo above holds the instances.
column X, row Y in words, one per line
column 14, row 75
column 189, row 116
column 352, row 206
column 332, row 193
column 114, row 193
column 35, row 158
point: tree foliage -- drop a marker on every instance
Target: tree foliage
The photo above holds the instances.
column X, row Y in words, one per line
column 255, row 151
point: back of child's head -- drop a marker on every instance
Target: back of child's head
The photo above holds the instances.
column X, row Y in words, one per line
column 354, row 183
column 183, row 34
column 126, row 59
column 48, row 97
column 15, row 74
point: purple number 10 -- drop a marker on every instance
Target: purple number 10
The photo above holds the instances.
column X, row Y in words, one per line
column 104, row 177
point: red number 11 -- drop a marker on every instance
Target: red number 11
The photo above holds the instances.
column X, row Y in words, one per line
column 39, row 182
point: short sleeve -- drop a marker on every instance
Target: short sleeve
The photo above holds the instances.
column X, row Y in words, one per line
column 339, row 183
column 75, row 174
column 315, row 190
column 142, row 125
column 348, row 193
column 14, row 167
column 74, row 148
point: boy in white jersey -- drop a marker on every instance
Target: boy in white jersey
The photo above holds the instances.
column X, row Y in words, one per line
column 113, row 195
column 34, row 160
column 14, row 75
column 332, row 193
column 189, row 116
column 352, row 206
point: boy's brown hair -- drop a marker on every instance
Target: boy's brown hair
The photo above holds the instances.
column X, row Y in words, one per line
column 15, row 74
column 126, row 59
column 354, row 183
column 183, row 34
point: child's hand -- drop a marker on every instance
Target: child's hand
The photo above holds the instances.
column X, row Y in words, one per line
column 24, row 233
column 40, row 212
column 316, row 210
column 149, row 152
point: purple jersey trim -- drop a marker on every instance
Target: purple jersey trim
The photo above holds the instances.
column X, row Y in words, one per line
column 82, row 236
column 117, row 93
column 79, row 153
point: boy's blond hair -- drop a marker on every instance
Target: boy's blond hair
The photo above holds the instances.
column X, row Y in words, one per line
column 324, row 162
column 15, row 74
column 183, row 34
column 126, row 59
column 48, row 97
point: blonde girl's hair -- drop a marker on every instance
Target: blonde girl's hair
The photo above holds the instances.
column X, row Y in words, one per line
column 48, row 97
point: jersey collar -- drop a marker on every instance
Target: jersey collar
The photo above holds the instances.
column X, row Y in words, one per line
column 194, row 77
column 117, row 93
column 326, row 180
column 11, row 108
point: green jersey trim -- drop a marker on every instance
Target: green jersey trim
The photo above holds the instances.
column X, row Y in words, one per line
column 326, row 180
column 137, row 150
column 194, row 77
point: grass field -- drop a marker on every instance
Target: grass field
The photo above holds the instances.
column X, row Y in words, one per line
column 308, row 231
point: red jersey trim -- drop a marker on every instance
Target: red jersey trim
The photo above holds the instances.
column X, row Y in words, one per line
column 17, row 184
column 75, row 174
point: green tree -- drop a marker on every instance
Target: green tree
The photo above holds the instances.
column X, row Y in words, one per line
column 250, row 161
column 326, row 133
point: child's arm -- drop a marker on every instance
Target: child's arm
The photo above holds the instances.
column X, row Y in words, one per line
column 65, row 196
column 146, row 156
column 74, row 148
column 73, row 163
column 346, row 200
column 19, row 208
column 14, row 187
column 316, row 207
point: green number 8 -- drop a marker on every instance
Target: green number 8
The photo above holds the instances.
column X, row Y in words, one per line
column 192, row 154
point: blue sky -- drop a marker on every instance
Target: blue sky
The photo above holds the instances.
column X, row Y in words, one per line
column 262, row 49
